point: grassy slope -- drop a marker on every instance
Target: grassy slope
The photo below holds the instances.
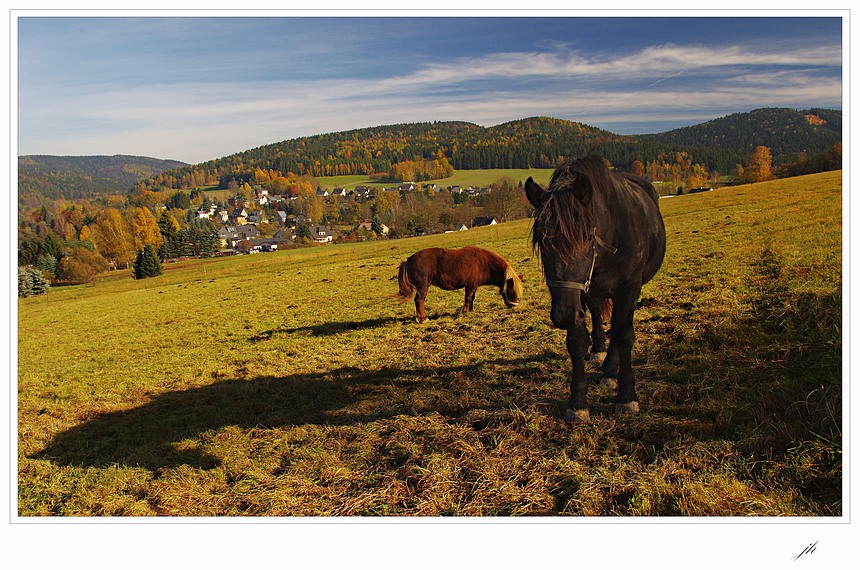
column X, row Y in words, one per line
column 290, row 384
column 464, row 178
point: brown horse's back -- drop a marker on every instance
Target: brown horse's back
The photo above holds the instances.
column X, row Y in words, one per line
column 450, row 269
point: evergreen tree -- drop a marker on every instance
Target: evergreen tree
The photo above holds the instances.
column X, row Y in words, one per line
column 147, row 263
column 31, row 282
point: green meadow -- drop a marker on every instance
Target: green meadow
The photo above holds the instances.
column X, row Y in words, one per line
column 291, row 383
column 463, row 178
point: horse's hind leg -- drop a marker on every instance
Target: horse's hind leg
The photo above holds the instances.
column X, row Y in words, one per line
column 420, row 296
column 469, row 301
column 623, row 337
column 598, row 335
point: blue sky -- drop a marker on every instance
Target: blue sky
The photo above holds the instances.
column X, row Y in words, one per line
column 198, row 88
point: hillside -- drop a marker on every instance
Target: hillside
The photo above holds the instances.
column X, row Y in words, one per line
column 70, row 177
column 289, row 384
column 535, row 142
column 786, row 132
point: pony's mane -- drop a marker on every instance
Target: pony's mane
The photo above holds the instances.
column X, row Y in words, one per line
column 563, row 223
column 518, row 284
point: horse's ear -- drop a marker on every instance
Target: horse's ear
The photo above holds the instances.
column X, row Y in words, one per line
column 533, row 192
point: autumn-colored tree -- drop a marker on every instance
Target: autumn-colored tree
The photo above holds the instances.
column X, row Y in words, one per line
column 637, row 168
column 112, row 237
column 80, row 265
column 144, row 228
column 758, row 167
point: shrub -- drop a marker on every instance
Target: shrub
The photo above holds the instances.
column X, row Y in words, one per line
column 80, row 265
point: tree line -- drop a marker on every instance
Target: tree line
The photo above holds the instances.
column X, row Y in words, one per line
column 70, row 242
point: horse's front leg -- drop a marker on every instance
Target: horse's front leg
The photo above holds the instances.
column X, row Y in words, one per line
column 577, row 346
column 469, row 301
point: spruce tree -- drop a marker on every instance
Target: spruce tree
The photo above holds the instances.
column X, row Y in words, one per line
column 147, row 263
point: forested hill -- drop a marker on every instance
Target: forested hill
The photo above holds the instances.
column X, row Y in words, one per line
column 785, row 131
column 71, row 177
column 536, row 142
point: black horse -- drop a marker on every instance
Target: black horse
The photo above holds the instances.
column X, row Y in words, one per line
column 601, row 237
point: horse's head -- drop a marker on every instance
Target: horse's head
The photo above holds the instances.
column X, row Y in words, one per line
column 563, row 232
column 512, row 289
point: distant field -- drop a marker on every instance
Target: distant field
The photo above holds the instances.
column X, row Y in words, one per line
column 464, row 178
column 290, row 384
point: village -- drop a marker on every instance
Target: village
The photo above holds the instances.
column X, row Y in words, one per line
column 241, row 220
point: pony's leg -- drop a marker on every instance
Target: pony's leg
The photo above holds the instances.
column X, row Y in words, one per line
column 623, row 337
column 469, row 301
column 420, row 295
column 577, row 405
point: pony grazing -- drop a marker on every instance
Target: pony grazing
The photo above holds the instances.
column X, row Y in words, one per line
column 601, row 237
column 451, row 269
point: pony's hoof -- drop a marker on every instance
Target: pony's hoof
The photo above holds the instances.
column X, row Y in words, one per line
column 576, row 416
column 609, row 382
column 596, row 357
column 628, row 408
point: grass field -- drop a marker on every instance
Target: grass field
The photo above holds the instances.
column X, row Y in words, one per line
column 290, row 384
column 463, row 178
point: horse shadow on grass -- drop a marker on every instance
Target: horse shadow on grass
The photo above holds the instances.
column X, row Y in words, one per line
column 337, row 327
column 165, row 432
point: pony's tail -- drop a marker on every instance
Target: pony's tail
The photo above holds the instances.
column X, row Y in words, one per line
column 405, row 285
column 606, row 310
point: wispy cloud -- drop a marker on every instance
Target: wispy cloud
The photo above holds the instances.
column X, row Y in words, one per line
column 198, row 119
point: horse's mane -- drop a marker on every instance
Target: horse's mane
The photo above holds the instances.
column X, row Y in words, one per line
column 518, row 284
column 564, row 223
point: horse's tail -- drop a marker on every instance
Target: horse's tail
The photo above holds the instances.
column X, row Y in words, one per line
column 405, row 285
column 606, row 310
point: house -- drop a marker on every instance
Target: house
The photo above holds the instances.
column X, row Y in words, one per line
column 204, row 212
column 321, row 234
column 340, row 192
column 231, row 235
column 362, row 192
column 258, row 217
column 281, row 217
column 368, row 227
column 223, row 216
column 323, row 193
column 239, row 216
column 484, row 221
column 285, row 235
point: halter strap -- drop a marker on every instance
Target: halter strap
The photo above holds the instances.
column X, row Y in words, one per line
column 584, row 287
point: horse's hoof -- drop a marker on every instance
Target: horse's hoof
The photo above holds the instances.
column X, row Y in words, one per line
column 609, row 382
column 576, row 416
column 596, row 357
column 628, row 408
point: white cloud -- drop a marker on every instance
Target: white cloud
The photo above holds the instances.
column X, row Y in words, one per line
column 197, row 122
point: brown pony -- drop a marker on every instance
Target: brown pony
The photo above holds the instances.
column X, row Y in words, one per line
column 452, row 269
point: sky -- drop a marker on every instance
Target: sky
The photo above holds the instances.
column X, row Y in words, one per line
column 193, row 88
